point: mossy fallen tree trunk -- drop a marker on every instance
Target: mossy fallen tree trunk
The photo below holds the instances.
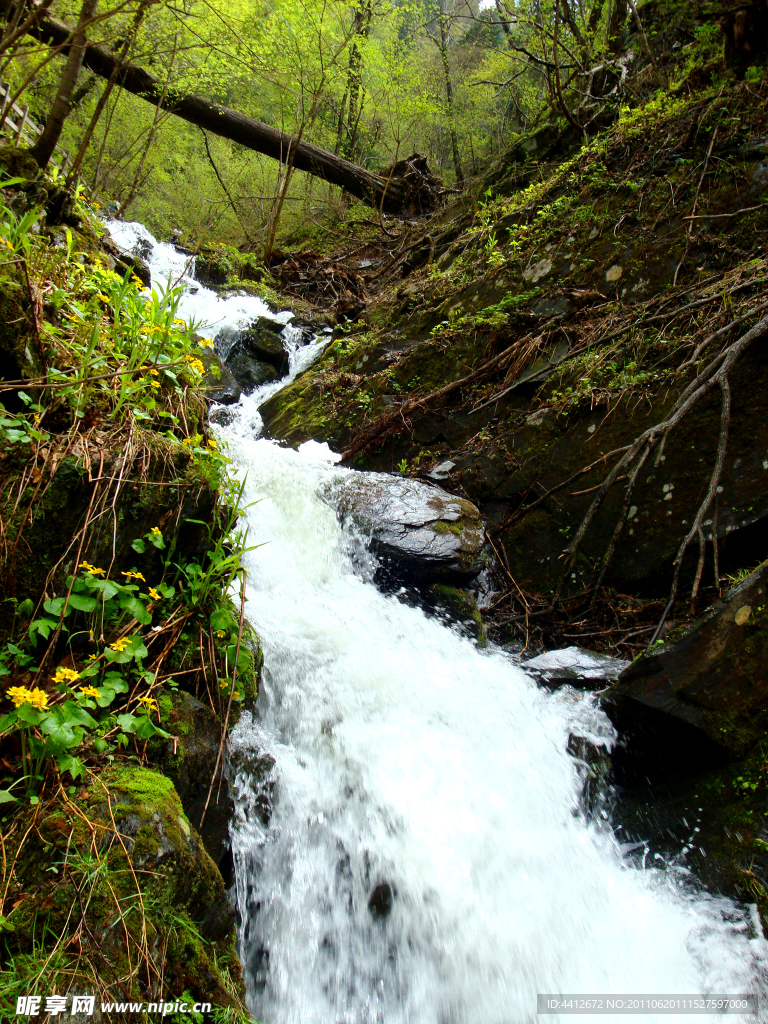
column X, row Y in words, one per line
column 407, row 188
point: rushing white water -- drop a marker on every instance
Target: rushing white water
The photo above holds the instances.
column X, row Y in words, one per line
column 386, row 748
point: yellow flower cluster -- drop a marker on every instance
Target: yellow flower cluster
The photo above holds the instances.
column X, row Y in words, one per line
column 65, row 675
column 120, row 645
column 149, row 702
column 21, row 695
column 212, row 444
column 154, row 594
column 6, row 243
column 89, row 691
column 206, row 342
column 156, row 530
column 195, row 364
column 92, row 569
column 133, row 576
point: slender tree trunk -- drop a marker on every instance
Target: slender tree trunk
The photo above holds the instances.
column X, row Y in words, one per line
column 102, row 101
column 443, row 48
column 46, row 144
column 363, row 16
column 137, row 177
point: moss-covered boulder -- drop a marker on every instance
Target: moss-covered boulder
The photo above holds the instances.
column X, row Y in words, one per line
column 118, row 883
column 459, row 606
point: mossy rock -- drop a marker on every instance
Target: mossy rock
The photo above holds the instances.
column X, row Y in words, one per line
column 460, row 607
column 139, row 888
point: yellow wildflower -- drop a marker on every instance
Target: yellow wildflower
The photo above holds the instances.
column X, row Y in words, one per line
column 120, row 645
column 195, row 364
column 212, row 444
column 206, row 342
column 89, row 691
column 155, row 383
column 92, row 570
column 154, row 372
column 18, row 694
column 133, row 576
column 177, row 321
column 156, row 530
column 223, row 685
column 104, row 298
column 149, row 702
column 96, row 206
column 21, row 695
column 154, row 594
column 65, row 675
column 220, row 633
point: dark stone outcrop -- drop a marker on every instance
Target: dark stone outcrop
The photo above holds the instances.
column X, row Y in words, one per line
column 418, row 532
column 381, row 900
column 219, row 382
column 127, row 261
column 714, row 677
column 254, row 356
column 264, row 341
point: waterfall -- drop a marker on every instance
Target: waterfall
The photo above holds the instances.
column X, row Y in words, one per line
column 408, row 839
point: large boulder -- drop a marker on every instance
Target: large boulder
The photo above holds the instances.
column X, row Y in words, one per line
column 254, row 356
column 264, row 340
column 219, row 381
column 418, row 532
column 713, row 676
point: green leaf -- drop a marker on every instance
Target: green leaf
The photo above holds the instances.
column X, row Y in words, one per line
column 55, row 606
column 131, row 604
column 43, row 627
column 166, row 590
column 26, row 713
column 100, row 745
column 128, row 722
column 222, row 618
column 7, row 797
column 81, row 603
column 138, row 545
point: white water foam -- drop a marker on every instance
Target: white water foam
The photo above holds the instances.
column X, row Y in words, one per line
column 391, row 750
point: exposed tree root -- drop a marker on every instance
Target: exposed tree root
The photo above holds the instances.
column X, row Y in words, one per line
column 714, row 374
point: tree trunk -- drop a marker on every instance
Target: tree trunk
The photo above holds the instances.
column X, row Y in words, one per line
column 102, row 101
column 390, row 194
column 46, row 144
column 443, row 47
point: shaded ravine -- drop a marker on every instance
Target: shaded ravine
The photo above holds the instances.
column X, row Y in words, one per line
column 408, row 839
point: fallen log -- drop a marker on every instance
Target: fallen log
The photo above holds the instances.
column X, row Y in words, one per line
column 409, row 188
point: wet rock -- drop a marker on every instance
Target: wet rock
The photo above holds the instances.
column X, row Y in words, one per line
column 263, row 340
column 381, row 899
column 211, row 266
column 418, row 531
column 190, row 761
column 575, row 667
column 459, row 606
column 249, row 373
column 218, row 380
column 443, row 471
column 254, row 356
column 713, row 677
column 127, row 261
